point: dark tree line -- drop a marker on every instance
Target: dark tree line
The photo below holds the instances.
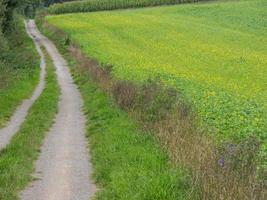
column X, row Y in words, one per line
column 7, row 10
column 26, row 7
column 6, row 13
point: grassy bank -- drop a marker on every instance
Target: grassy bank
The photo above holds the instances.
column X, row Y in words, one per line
column 128, row 163
column 19, row 71
column 98, row 5
column 17, row 160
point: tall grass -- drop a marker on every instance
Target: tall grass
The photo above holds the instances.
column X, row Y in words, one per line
column 98, row 5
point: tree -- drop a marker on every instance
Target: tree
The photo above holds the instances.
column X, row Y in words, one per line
column 6, row 13
column 28, row 7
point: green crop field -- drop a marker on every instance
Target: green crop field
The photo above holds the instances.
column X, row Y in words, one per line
column 215, row 54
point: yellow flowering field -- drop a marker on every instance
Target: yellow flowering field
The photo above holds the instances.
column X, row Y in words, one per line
column 215, row 54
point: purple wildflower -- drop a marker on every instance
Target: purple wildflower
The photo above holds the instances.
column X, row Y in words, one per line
column 221, row 161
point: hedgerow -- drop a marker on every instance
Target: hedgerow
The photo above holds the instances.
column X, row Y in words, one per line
column 98, row 5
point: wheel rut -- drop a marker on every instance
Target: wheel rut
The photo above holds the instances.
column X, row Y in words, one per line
column 63, row 168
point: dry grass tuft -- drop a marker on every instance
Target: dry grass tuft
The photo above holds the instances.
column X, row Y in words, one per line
column 125, row 94
column 225, row 171
column 98, row 74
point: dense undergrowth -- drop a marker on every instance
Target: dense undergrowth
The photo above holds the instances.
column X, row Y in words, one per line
column 224, row 170
column 17, row 159
column 98, row 5
column 19, row 69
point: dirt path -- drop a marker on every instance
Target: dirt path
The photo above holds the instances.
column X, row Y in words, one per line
column 63, row 168
column 20, row 114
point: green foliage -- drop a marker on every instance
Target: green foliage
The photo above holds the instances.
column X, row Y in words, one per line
column 28, row 7
column 97, row 5
column 213, row 53
column 2, row 14
column 6, row 14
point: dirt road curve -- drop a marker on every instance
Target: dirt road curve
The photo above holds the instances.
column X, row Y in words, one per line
column 19, row 116
column 63, row 168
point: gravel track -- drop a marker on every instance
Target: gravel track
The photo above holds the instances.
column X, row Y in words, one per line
column 63, row 168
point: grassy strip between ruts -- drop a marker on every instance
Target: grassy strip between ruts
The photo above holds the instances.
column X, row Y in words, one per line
column 128, row 163
column 17, row 160
column 19, row 72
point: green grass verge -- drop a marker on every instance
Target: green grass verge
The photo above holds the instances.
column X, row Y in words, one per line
column 17, row 160
column 19, row 72
column 128, row 163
